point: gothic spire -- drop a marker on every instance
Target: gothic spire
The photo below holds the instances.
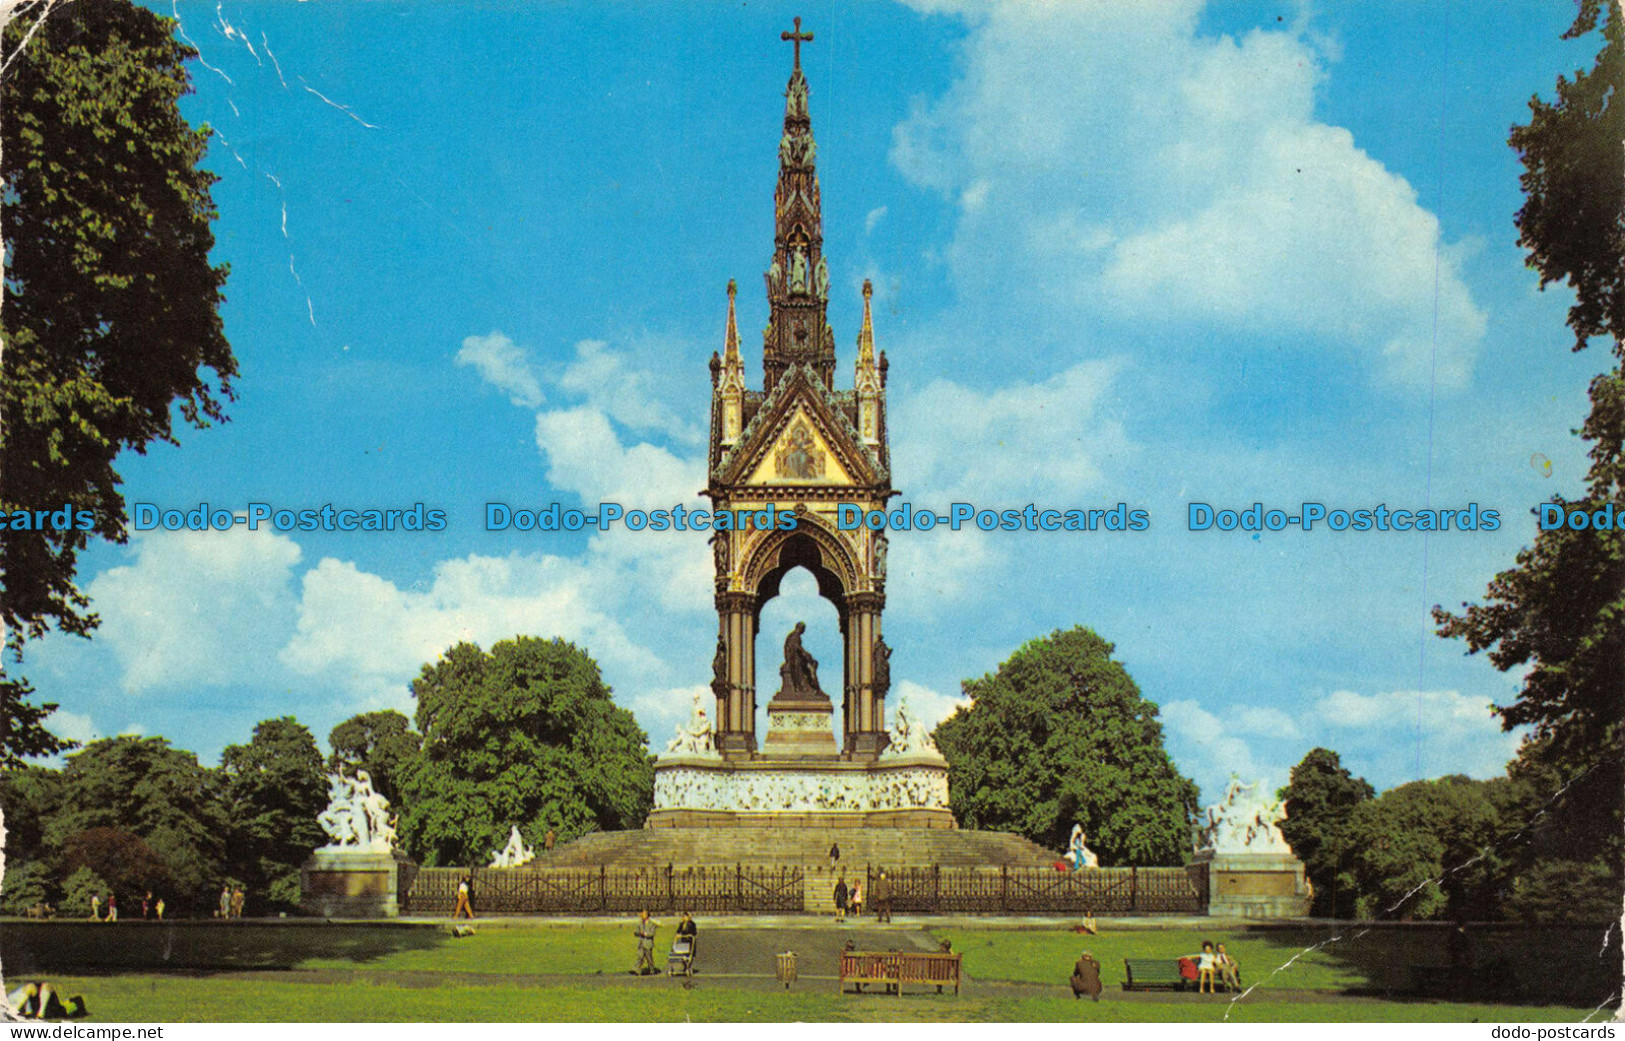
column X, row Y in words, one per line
column 798, row 279
column 730, row 338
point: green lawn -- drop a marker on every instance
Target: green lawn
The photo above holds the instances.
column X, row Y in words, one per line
column 539, row 971
column 180, row 999
column 575, row 949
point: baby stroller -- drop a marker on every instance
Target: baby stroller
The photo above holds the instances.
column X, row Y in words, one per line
column 680, row 962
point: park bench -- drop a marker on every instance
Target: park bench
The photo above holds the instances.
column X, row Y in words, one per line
column 1152, row 974
column 893, row 969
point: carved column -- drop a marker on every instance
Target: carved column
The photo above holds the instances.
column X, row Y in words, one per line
column 736, row 710
column 865, row 710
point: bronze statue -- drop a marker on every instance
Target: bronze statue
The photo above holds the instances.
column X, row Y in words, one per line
column 719, row 670
column 799, row 673
column 881, row 681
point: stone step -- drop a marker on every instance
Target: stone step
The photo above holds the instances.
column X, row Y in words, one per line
column 807, row 847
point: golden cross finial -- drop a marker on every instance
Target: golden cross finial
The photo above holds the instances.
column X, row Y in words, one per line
column 799, row 38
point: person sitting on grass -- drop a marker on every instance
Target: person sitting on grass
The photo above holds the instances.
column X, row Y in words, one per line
column 40, row 1001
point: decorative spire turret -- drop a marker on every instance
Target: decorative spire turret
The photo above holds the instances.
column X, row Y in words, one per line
column 798, row 332
column 867, row 379
column 731, row 381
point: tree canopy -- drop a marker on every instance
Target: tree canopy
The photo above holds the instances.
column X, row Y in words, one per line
column 158, row 794
column 381, row 743
column 1320, row 798
column 1558, row 615
column 524, row 735
column 274, row 790
column 111, row 305
column 1058, row 735
column 110, row 317
column 1430, row 849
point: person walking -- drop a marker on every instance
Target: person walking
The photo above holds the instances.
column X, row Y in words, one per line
column 854, row 901
column 238, row 898
column 112, row 909
column 465, row 904
column 882, row 898
column 225, row 901
column 645, row 932
column 834, row 855
column 95, row 907
column 840, row 899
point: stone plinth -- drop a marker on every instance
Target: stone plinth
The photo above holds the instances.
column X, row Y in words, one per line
column 800, row 729
column 341, row 883
column 893, row 791
column 1255, row 885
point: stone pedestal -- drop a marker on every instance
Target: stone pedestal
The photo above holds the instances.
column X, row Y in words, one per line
column 346, row 883
column 800, row 729
column 1255, row 885
column 909, row 791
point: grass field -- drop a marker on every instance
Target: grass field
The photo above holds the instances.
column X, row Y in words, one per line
column 179, row 999
column 577, row 972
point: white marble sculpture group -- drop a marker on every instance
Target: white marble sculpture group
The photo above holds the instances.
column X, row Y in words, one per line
column 357, row 818
column 1246, row 821
column 908, row 737
column 694, row 737
column 515, row 853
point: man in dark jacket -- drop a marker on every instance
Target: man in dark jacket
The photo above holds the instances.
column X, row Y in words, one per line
column 1086, row 977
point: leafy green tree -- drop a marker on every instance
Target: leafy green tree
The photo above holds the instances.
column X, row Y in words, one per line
column 22, row 724
column 129, row 865
column 1558, row 616
column 26, row 884
column 274, row 790
column 30, row 795
column 78, row 890
column 381, row 743
column 1573, row 218
column 526, row 735
column 1320, row 797
column 110, row 315
column 158, row 793
column 1429, row 849
column 1060, row 734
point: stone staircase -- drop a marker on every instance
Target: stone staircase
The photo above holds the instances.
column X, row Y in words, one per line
column 805, row 847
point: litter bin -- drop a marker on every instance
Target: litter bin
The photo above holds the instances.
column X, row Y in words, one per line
column 787, row 968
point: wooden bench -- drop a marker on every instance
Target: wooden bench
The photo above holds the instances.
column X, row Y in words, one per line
column 893, row 969
column 1153, row 973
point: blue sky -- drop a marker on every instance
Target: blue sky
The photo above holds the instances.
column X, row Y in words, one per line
column 1143, row 253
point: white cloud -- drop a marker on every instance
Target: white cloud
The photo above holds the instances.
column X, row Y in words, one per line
column 503, row 364
column 1207, row 192
column 1024, row 441
column 72, row 726
column 929, row 707
column 629, row 396
column 1205, row 749
column 586, row 456
column 1389, row 738
column 196, row 607
column 1412, row 733
column 371, row 636
column 872, row 218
